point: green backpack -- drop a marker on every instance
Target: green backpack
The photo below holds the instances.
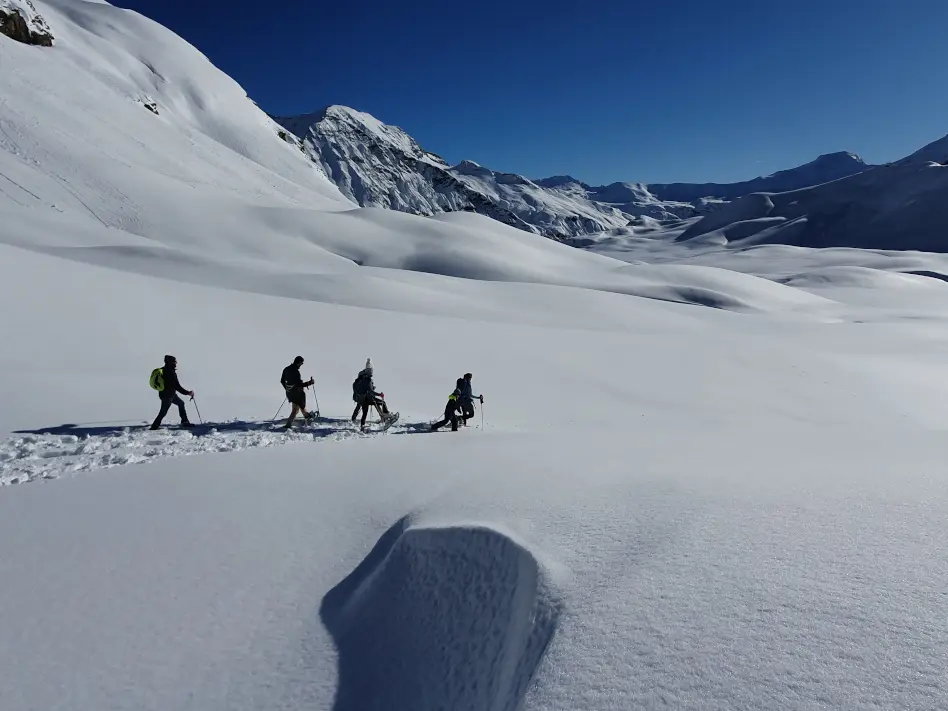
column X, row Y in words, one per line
column 157, row 379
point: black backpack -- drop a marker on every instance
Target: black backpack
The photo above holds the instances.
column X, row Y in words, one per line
column 360, row 386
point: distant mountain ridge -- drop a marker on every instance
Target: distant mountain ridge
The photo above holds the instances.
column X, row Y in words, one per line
column 378, row 165
column 826, row 168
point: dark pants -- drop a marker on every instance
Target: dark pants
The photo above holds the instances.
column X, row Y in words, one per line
column 364, row 405
column 297, row 396
column 166, row 403
column 467, row 408
column 451, row 417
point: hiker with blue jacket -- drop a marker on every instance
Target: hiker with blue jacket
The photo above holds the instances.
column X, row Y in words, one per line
column 467, row 397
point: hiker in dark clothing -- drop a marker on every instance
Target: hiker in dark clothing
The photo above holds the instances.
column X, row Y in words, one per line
column 169, row 394
column 292, row 382
column 365, row 395
column 468, row 397
column 450, row 411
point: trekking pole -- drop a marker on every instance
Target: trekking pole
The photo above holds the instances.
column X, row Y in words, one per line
column 316, row 399
column 201, row 419
column 278, row 411
column 482, row 415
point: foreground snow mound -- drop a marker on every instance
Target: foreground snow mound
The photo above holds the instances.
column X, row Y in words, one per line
column 453, row 617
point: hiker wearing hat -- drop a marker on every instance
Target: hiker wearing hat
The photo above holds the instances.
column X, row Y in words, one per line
column 467, row 397
column 365, row 395
column 168, row 393
column 292, row 382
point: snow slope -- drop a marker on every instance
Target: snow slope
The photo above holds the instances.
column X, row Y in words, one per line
column 668, row 505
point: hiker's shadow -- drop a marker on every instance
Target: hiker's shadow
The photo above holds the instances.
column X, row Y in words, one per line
column 323, row 427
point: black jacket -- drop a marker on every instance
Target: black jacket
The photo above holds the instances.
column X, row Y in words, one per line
column 291, row 378
column 454, row 403
column 172, row 384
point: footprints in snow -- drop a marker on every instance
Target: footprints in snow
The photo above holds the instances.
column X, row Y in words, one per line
column 52, row 453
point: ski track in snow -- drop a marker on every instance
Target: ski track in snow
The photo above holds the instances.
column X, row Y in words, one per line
column 53, row 452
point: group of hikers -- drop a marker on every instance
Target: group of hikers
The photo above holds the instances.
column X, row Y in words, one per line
column 458, row 410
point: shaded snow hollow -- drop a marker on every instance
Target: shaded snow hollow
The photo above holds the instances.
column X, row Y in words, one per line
column 455, row 617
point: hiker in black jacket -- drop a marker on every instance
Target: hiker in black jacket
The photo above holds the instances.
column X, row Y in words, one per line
column 364, row 395
column 451, row 410
column 295, row 388
column 169, row 394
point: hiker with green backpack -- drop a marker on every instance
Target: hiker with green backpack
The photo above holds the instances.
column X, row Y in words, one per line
column 165, row 381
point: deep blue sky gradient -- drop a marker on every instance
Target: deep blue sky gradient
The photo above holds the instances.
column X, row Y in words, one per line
column 669, row 90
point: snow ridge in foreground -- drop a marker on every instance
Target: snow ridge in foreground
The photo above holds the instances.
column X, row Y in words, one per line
column 440, row 617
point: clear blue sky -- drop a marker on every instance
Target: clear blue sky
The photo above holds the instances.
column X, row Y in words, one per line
column 686, row 90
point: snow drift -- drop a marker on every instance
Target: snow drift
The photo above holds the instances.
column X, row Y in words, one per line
column 440, row 617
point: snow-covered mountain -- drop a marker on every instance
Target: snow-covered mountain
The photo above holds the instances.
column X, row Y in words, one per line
column 899, row 206
column 633, row 199
column 377, row 165
column 831, row 166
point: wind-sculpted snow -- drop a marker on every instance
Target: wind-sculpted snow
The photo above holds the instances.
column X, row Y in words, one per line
column 440, row 617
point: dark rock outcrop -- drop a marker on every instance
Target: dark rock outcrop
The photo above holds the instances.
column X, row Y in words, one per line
column 19, row 21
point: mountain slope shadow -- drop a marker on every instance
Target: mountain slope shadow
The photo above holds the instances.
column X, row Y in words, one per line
column 440, row 618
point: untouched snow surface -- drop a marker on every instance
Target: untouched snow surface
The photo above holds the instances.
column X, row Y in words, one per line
column 710, row 476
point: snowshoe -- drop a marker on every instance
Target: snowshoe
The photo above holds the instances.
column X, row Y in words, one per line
column 390, row 420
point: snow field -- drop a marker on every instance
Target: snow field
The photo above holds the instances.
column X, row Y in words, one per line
column 711, row 481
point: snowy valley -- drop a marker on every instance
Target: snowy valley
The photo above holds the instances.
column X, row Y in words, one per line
column 708, row 471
